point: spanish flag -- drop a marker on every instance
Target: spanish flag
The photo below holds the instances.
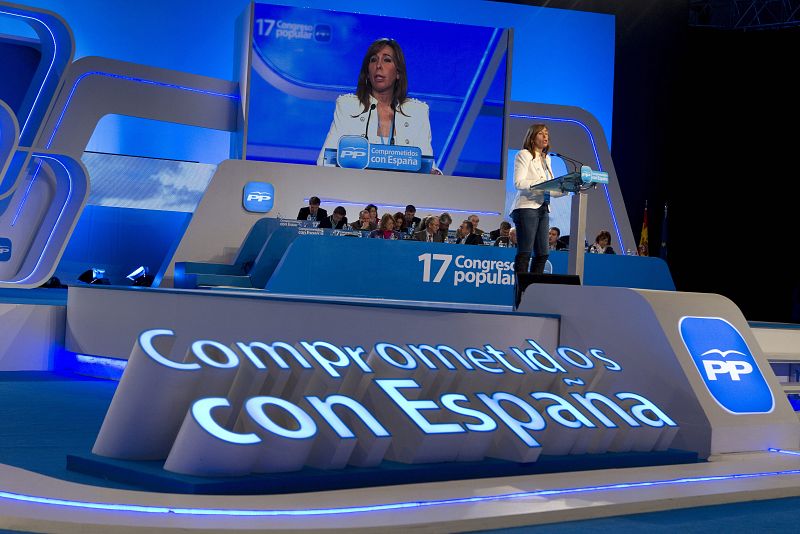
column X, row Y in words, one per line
column 644, row 246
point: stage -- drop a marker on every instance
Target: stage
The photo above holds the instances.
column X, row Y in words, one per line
column 178, row 354
column 51, row 416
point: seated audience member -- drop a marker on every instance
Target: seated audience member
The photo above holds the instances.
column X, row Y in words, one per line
column 467, row 236
column 512, row 236
column 411, row 221
column 313, row 212
column 503, row 239
column 373, row 214
column 494, row 234
column 399, row 220
column 444, row 225
column 385, row 229
column 430, row 231
column 337, row 221
column 363, row 223
column 474, row 219
column 602, row 244
column 553, row 239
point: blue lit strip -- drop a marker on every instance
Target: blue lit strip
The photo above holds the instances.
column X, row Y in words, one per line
column 479, row 73
column 19, row 497
column 58, row 220
column 108, row 75
column 784, row 451
column 403, row 207
column 25, row 196
column 130, row 79
column 596, row 157
column 46, row 76
column 101, row 361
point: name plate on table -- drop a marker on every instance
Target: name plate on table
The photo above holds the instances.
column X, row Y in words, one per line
column 355, row 152
column 297, row 223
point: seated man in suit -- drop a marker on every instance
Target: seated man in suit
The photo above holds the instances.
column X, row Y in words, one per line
column 467, row 236
column 313, row 212
column 444, row 226
column 502, row 238
column 410, row 220
column 494, row 234
column 430, row 231
column 364, row 223
column 337, row 221
column 553, row 239
column 474, row 219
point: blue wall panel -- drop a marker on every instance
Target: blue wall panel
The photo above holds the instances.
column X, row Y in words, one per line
column 18, row 63
column 121, row 239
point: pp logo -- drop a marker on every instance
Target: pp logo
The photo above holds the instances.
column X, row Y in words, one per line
column 322, row 33
column 726, row 365
column 586, row 174
column 5, row 249
column 258, row 197
column 353, row 152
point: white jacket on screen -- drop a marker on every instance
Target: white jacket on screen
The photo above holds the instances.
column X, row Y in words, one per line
column 412, row 125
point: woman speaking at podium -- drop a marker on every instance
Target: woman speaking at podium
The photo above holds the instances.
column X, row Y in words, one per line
column 380, row 110
column 531, row 210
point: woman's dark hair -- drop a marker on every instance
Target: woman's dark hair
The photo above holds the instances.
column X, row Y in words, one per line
column 601, row 235
column 364, row 89
column 530, row 135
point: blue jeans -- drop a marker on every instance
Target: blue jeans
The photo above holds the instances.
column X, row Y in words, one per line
column 533, row 226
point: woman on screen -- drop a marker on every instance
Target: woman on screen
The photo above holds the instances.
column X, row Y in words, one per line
column 531, row 210
column 380, row 110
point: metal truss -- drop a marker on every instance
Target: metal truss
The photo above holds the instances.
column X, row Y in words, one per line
column 744, row 14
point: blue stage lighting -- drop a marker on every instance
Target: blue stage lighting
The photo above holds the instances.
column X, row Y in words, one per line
column 94, row 276
column 141, row 277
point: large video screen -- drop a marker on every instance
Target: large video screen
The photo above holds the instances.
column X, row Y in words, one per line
column 303, row 59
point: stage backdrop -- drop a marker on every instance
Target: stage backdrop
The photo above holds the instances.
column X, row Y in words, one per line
column 551, row 48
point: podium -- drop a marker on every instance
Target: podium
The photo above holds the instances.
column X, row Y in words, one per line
column 576, row 183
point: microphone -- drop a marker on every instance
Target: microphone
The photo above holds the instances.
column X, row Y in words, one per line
column 394, row 130
column 366, row 135
column 574, row 162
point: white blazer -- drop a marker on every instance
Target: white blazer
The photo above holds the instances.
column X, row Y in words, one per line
column 528, row 172
column 412, row 126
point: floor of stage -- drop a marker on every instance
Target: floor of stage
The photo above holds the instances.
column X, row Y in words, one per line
column 38, row 493
column 64, row 413
column 59, row 413
column 778, row 515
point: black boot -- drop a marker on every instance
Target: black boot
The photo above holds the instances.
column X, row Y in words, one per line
column 521, row 262
column 538, row 264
